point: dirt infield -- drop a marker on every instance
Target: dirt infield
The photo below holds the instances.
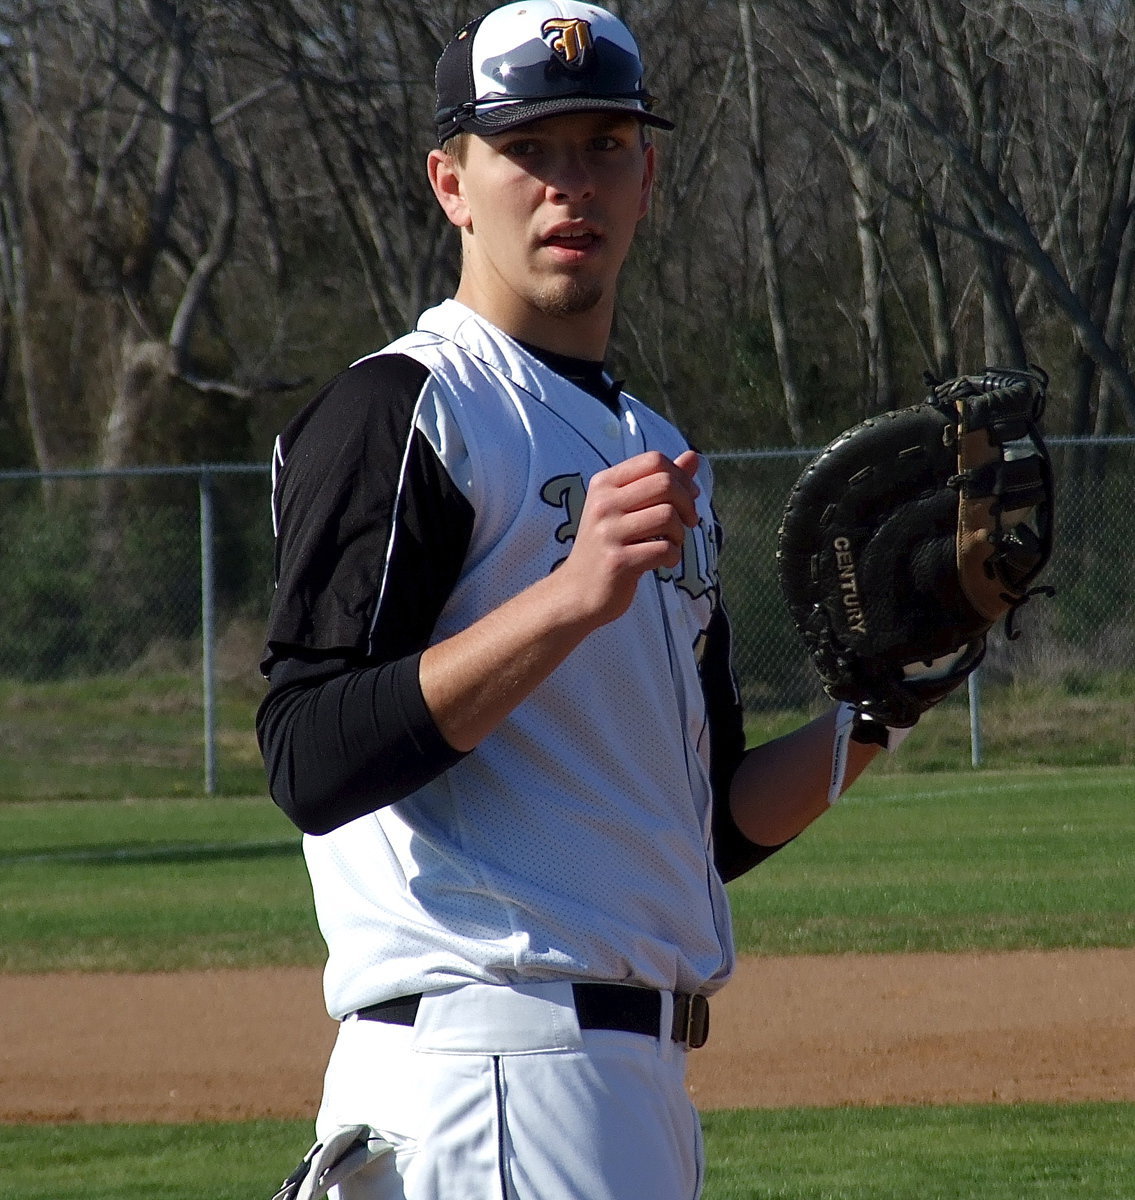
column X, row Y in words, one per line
column 229, row 1045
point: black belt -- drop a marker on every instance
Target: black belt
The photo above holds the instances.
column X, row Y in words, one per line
column 598, row 1006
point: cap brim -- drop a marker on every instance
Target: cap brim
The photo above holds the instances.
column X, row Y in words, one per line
column 509, row 115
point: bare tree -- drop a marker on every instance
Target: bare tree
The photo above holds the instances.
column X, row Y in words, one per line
column 954, row 83
column 131, row 107
column 361, row 77
column 1080, row 142
column 14, row 269
column 197, row 198
column 768, row 227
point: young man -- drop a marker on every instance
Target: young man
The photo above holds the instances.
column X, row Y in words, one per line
column 501, row 703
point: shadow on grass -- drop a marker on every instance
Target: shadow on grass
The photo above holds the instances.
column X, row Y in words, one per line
column 132, row 855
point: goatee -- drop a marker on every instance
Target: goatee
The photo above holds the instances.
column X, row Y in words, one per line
column 570, row 298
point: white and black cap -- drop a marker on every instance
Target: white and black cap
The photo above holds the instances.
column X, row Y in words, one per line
column 539, row 58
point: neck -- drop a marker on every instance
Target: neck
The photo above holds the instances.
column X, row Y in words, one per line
column 577, row 335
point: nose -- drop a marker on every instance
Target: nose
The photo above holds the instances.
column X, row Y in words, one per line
column 570, row 179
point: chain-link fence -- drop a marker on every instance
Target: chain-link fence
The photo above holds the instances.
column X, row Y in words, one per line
column 133, row 608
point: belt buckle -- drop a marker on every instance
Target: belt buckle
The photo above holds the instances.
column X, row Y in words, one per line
column 691, row 1020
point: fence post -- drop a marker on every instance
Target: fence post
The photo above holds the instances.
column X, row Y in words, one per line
column 205, row 490
column 974, row 686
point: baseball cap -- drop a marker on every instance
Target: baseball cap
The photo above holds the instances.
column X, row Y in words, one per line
column 539, row 58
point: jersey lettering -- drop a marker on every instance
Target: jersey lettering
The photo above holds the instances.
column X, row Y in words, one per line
column 696, row 574
column 567, row 492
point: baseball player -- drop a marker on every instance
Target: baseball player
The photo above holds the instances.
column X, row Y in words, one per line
column 501, row 705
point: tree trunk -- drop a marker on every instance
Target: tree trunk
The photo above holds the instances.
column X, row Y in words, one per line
column 770, row 247
column 143, row 378
column 937, row 298
column 868, row 234
column 1004, row 345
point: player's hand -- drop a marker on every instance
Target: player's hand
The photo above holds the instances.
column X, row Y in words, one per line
column 634, row 520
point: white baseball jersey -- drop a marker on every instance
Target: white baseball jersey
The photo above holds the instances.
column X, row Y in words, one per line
column 575, row 841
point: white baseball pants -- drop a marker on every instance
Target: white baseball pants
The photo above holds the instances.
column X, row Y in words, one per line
column 496, row 1094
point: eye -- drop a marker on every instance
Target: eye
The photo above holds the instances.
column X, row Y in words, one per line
column 521, row 148
column 606, row 141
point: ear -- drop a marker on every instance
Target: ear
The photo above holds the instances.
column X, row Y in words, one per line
column 648, row 165
column 445, row 179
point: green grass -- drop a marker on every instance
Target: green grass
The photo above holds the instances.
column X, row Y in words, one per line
column 152, row 885
column 142, row 734
column 1077, row 723
column 120, row 735
column 1044, row 1152
column 245, row 1161
column 954, row 861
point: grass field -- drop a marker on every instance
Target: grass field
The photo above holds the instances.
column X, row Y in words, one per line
column 142, row 734
column 119, row 735
column 1018, row 860
column 954, row 861
column 949, row 860
column 1043, row 1152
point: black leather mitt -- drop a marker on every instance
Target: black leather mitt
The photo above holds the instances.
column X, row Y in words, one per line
column 911, row 534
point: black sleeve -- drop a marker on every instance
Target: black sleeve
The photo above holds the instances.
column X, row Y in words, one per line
column 341, row 740
column 733, row 853
column 371, row 534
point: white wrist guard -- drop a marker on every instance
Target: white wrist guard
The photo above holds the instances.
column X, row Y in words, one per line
column 852, row 725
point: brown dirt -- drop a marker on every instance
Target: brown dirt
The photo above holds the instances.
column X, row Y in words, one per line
column 917, row 1029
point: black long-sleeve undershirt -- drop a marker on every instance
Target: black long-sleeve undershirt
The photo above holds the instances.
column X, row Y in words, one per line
column 341, row 740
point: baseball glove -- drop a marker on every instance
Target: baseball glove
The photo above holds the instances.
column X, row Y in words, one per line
column 910, row 535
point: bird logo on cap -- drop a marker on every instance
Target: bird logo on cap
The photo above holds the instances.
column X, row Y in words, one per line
column 569, row 39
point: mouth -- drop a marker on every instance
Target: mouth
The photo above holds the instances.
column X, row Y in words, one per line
column 573, row 239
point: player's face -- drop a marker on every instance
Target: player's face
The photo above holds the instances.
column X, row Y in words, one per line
column 548, row 212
